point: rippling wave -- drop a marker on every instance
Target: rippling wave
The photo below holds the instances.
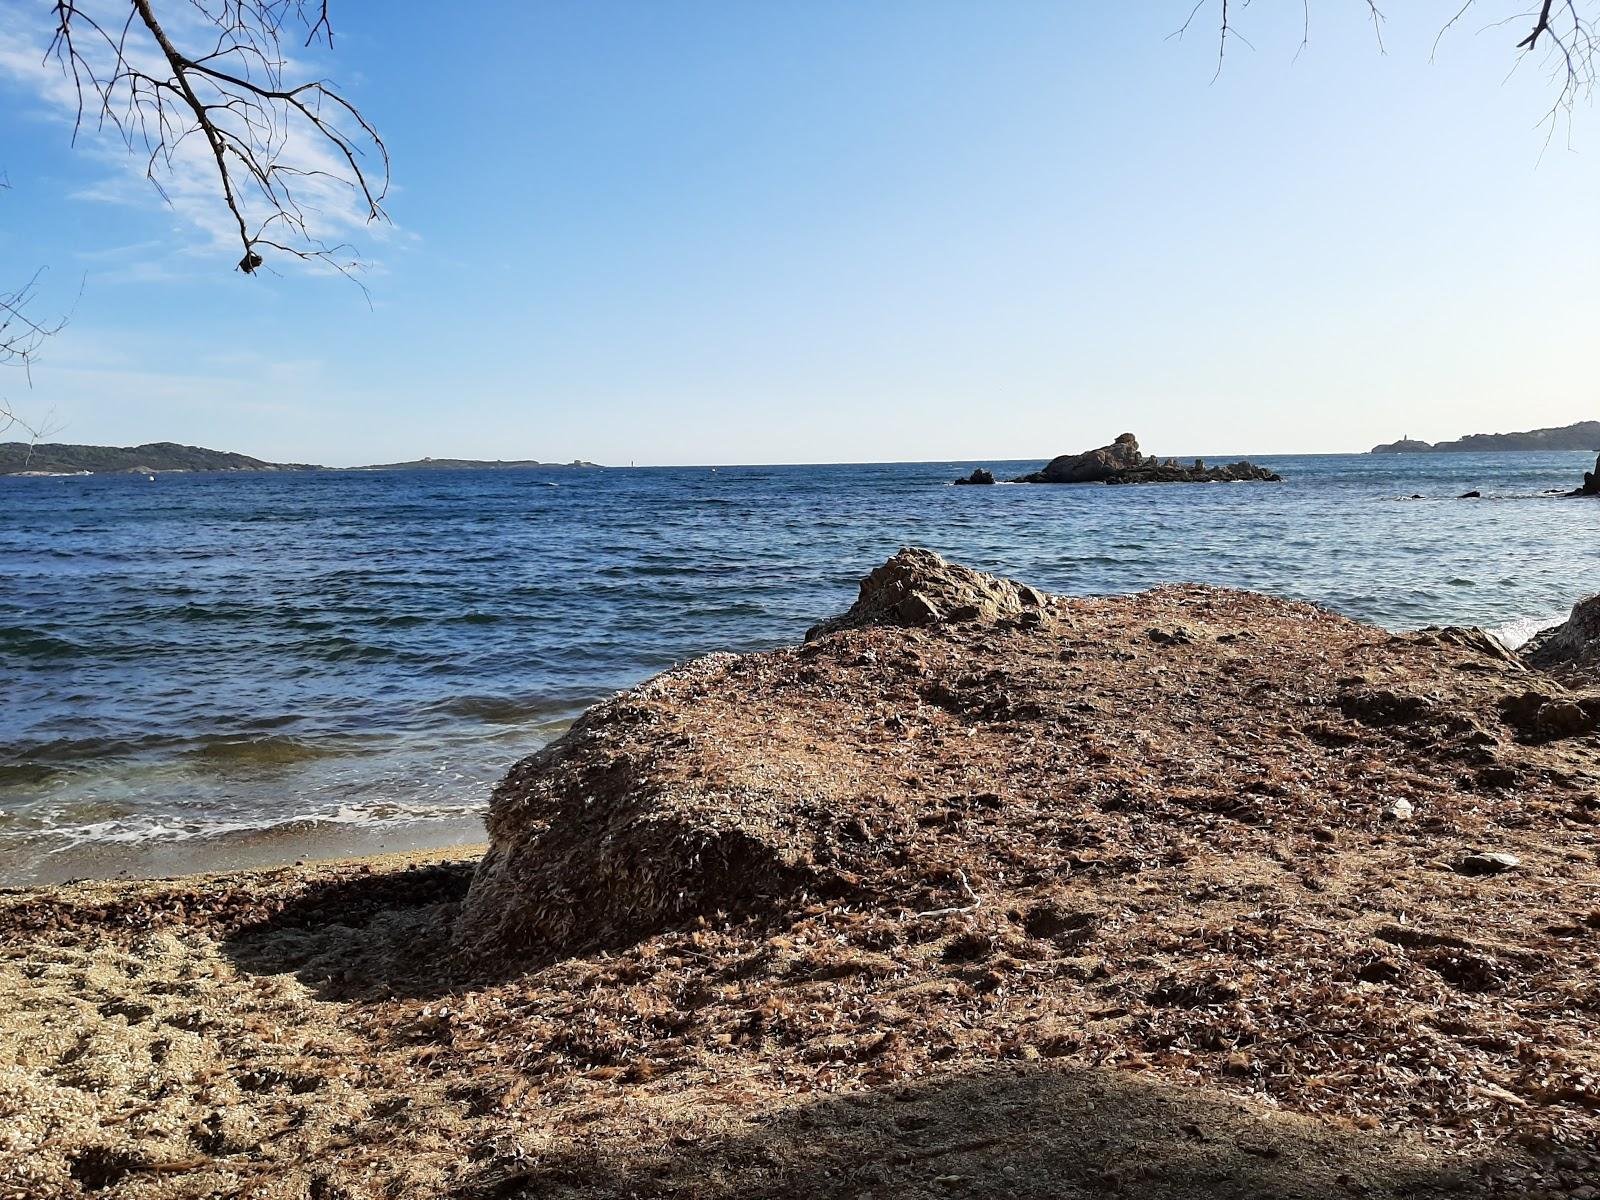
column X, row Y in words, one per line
column 236, row 656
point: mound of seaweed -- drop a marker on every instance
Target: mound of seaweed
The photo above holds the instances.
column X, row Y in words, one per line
column 1235, row 838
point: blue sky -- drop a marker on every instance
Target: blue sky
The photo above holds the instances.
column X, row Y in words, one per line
column 696, row 232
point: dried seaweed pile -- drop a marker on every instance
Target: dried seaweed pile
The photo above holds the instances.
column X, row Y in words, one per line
column 1237, row 839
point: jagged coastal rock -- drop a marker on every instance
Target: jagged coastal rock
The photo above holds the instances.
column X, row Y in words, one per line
column 1121, row 462
column 1570, row 650
column 1591, row 482
column 979, row 475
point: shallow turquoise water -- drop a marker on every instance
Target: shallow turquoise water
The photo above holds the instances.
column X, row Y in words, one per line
column 231, row 655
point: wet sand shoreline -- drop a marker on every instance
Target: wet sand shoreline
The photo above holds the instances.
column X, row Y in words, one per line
column 290, row 844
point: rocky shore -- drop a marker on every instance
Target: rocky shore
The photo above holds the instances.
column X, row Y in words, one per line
column 1122, row 462
column 979, row 891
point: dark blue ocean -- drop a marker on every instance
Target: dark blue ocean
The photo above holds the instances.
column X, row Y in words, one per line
column 253, row 661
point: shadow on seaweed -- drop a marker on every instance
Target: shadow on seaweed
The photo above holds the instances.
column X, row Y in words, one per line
column 1027, row 1131
column 392, row 935
column 364, row 936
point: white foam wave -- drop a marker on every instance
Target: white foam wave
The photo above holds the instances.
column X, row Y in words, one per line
column 134, row 830
column 1516, row 632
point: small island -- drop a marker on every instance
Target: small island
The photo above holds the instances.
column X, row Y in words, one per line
column 155, row 458
column 1582, row 435
column 1121, row 462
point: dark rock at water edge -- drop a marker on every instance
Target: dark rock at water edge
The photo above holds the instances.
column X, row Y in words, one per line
column 1591, row 482
column 978, row 476
column 1569, row 648
column 1121, row 462
column 1170, row 471
column 1092, row 466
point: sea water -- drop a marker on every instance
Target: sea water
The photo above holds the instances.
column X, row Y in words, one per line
column 250, row 658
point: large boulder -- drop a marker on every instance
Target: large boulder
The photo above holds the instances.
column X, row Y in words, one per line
column 918, row 587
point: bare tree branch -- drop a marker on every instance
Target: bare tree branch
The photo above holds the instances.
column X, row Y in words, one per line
column 280, row 152
column 36, row 431
column 20, row 339
column 21, row 336
column 1565, row 30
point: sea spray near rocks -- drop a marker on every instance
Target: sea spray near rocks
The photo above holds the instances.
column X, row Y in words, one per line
column 1572, row 648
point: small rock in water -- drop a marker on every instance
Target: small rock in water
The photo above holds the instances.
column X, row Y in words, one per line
column 1399, row 810
column 1591, row 482
column 1488, row 863
column 1472, row 495
column 978, row 476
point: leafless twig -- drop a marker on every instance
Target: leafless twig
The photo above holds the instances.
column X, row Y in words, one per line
column 964, row 908
column 21, row 336
column 278, row 149
column 1564, row 30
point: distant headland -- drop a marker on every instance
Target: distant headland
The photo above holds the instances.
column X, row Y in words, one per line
column 1584, row 435
column 60, row 458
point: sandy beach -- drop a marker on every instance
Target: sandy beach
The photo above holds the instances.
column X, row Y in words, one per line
column 299, row 1032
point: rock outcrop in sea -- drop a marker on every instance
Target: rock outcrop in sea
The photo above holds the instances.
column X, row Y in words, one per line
column 1591, row 482
column 978, row 476
column 1121, row 462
